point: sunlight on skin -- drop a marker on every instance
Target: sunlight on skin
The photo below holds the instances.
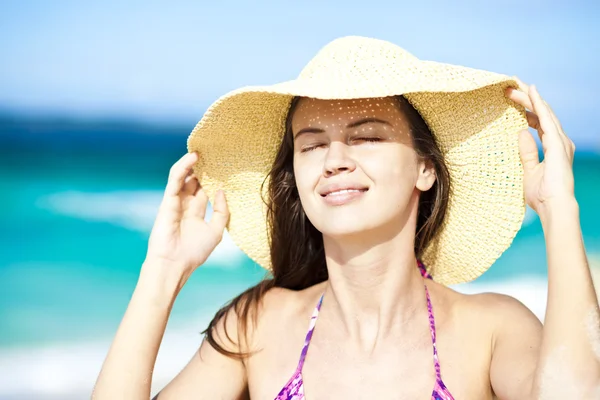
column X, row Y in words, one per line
column 367, row 142
column 593, row 319
column 557, row 382
column 593, row 329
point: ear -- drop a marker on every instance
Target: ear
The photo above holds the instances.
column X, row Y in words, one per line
column 426, row 177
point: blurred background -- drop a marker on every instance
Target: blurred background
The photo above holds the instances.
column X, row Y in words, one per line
column 97, row 100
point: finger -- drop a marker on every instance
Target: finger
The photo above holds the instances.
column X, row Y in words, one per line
column 550, row 129
column 553, row 115
column 178, row 172
column 190, row 184
column 220, row 215
column 533, row 121
column 528, row 151
column 519, row 97
column 522, row 85
column 197, row 203
column 169, row 211
column 568, row 144
column 525, row 89
column 566, row 140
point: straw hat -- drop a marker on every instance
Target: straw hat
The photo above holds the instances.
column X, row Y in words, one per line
column 466, row 109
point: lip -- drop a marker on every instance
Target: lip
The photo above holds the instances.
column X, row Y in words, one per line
column 343, row 198
column 327, row 192
column 334, row 187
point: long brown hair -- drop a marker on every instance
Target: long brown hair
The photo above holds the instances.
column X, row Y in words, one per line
column 297, row 253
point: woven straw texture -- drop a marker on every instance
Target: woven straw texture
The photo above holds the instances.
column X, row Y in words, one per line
column 465, row 108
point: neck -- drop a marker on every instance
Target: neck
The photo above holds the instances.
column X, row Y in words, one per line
column 374, row 289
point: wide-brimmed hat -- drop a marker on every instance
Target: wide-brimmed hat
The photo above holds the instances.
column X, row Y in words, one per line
column 466, row 109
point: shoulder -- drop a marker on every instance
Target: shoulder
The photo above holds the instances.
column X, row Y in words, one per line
column 489, row 311
column 256, row 316
column 503, row 317
column 515, row 337
column 281, row 305
column 497, row 307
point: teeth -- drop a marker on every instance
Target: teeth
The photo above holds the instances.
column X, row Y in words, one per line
column 339, row 192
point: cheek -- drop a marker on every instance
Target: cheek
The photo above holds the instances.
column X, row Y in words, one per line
column 307, row 176
column 394, row 173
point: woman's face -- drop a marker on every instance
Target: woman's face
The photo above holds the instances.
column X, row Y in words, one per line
column 354, row 163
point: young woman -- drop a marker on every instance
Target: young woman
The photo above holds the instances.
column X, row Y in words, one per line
column 366, row 186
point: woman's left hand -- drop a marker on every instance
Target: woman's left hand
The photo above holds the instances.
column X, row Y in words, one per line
column 549, row 182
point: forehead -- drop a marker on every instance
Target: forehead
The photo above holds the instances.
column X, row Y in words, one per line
column 309, row 110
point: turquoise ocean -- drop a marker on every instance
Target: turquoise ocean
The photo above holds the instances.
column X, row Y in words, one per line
column 77, row 201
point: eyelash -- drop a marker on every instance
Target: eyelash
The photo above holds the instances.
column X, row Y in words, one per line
column 365, row 139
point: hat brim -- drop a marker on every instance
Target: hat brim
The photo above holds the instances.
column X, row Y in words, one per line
column 466, row 109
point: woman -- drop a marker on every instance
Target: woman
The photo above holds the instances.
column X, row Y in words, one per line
column 374, row 160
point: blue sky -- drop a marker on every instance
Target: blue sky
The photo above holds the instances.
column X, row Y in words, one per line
column 167, row 61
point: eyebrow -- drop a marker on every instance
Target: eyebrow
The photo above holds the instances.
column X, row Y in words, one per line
column 350, row 125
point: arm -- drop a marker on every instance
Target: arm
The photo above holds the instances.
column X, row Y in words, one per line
column 209, row 374
column 127, row 370
column 567, row 363
column 561, row 360
column 571, row 323
column 180, row 241
column 515, row 348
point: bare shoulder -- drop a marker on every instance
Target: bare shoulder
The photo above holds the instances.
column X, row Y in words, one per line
column 495, row 311
column 272, row 312
column 499, row 308
column 514, row 336
column 280, row 304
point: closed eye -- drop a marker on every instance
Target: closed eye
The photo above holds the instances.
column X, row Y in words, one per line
column 368, row 139
column 360, row 139
column 310, row 148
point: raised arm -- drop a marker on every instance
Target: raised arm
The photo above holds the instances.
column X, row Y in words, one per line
column 209, row 374
column 180, row 241
column 564, row 361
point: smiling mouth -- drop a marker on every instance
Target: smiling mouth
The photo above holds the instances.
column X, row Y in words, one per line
column 343, row 192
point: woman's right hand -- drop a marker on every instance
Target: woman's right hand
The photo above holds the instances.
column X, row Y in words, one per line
column 181, row 240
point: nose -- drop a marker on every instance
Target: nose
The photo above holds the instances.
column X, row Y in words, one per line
column 338, row 160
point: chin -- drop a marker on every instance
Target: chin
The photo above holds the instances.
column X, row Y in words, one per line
column 339, row 226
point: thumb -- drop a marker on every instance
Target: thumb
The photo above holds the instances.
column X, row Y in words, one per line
column 220, row 216
column 528, row 151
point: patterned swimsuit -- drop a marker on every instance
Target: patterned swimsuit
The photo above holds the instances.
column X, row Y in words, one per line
column 294, row 389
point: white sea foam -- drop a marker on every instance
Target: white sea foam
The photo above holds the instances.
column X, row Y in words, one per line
column 69, row 371
column 133, row 210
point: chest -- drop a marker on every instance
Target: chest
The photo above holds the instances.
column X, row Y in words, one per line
column 399, row 369
column 398, row 376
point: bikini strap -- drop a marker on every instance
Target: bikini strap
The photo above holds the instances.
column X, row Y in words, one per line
column 311, row 328
column 423, row 270
column 436, row 360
